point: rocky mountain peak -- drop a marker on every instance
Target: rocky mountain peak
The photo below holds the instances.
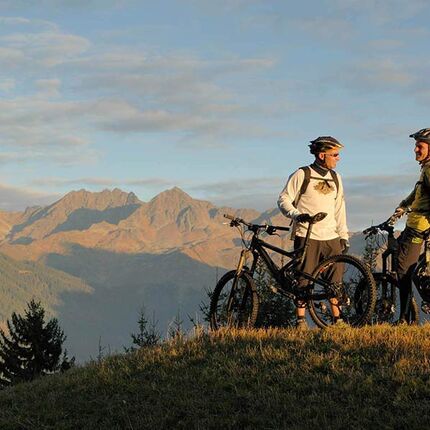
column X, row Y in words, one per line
column 97, row 200
column 173, row 196
column 171, row 206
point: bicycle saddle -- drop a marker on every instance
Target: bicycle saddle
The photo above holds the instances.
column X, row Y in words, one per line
column 318, row 217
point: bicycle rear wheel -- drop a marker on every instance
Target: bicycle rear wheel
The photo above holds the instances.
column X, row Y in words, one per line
column 387, row 308
column 345, row 286
column 234, row 302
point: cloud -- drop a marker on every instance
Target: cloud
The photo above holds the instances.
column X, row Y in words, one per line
column 225, row 6
column 48, row 87
column 119, row 91
column 7, row 85
column 386, row 44
column 327, row 28
column 381, row 12
column 395, row 74
column 18, row 22
column 177, row 81
column 172, row 93
column 17, row 199
column 380, row 74
column 42, row 49
column 102, row 182
column 53, row 5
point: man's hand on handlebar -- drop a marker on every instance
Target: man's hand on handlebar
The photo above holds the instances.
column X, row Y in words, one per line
column 399, row 212
column 303, row 218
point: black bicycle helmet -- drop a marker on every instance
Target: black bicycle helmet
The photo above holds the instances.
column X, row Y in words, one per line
column 422, row 135
column 323, row 144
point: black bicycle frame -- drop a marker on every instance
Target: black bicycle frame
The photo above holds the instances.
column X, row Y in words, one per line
column 281, row 275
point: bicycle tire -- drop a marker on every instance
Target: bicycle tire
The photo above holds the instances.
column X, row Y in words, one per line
column 234, row 309
column 356, row 292
column 387, row 311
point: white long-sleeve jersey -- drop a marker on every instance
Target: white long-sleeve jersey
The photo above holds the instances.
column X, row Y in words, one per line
column 320, row 196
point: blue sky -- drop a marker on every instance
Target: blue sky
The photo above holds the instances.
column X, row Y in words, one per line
column 217, row 97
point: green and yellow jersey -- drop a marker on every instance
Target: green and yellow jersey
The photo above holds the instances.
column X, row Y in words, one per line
column 419, row 201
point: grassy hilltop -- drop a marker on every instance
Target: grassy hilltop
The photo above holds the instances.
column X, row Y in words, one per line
column 374, row 377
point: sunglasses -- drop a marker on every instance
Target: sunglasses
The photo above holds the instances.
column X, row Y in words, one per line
column 333, row 155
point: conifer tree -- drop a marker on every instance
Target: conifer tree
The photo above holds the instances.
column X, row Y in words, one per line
column 370, row 253
column 147, row 334
column 32, row 348
column 275, row 309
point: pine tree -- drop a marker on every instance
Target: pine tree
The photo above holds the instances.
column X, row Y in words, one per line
column 147, row 334
column 175, row 331
column 275, row 309
column 33, row 347
column 370, row 253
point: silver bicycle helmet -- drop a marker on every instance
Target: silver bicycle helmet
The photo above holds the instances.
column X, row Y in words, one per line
column 323, row 144
column 422, row 135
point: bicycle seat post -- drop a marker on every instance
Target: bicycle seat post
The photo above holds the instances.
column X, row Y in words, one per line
column 306, row 244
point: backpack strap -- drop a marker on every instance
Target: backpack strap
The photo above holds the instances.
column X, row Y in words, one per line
column 336, row 180
column 305, row 183
column 307, row 179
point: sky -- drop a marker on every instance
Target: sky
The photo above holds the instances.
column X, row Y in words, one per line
column 217, row 97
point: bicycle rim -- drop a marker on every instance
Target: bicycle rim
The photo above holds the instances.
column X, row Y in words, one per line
column 234, row 302
column 349, row 289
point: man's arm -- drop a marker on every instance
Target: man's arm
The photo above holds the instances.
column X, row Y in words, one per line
column 408, row 200
column 340, row 212
column 289, row 194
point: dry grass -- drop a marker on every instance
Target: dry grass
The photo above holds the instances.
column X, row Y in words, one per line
column 374, row 377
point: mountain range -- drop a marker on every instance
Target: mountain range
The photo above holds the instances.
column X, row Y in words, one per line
column 107, row 254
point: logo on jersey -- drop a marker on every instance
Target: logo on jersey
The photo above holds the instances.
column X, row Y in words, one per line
column 324, row 187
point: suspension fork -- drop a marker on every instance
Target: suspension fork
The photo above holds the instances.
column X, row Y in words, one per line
column 240, row 265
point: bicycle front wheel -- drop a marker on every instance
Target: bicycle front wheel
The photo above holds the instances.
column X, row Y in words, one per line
column 343, row 288
column 234, row 302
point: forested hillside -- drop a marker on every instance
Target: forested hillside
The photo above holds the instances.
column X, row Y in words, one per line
column 20, row 281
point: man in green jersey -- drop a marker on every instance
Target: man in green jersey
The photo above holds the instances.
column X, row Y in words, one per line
column 418, row 221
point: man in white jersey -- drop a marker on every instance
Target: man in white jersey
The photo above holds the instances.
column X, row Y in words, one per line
column 309, row 190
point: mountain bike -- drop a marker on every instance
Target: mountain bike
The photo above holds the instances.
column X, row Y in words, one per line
column 340, row 281
column 387, row 306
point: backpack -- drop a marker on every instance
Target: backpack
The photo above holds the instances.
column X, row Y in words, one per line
column 308, row 178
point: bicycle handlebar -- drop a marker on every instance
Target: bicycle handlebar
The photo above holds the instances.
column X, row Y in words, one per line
column 386, row 226
column 269, row 229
